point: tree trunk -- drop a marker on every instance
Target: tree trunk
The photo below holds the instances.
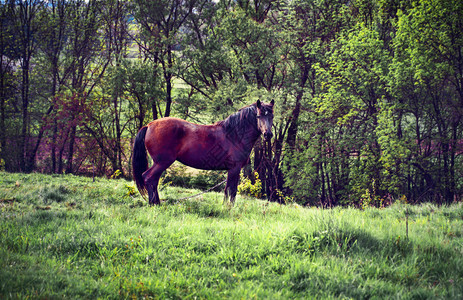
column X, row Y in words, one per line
column 70, row 157
column 168, row 77
column 25, row 114
column 53, row 147
column 3, row 96
column 294, row 119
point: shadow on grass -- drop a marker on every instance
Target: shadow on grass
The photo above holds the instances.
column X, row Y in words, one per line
column 332, row 240
column 200, row 206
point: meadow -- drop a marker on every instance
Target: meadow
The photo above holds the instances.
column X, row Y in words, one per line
column 64, row 236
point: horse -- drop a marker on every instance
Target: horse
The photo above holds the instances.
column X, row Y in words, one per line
column 225, row 145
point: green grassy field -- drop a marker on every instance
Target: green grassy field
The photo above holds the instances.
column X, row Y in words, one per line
column 68, row 237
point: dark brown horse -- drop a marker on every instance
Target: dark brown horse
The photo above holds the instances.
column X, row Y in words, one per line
column 225, row 145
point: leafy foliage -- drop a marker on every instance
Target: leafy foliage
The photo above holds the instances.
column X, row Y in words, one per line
column 246, row 187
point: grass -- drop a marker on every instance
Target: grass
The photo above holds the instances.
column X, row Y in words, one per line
column 65, row 236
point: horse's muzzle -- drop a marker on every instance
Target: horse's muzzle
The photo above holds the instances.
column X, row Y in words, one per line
column 268, row 135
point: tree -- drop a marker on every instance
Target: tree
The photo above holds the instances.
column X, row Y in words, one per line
column 25, row 27
column 161, row 22
column 6, row 84
column 87, row 57
column 52, row 37
column 310, row 25
column 116, row 25
column 310, row 28
column 429, row 46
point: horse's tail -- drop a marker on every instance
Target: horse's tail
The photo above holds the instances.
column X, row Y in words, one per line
column 140, row 160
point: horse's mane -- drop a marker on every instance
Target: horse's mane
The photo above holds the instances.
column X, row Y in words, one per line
column 235, row 120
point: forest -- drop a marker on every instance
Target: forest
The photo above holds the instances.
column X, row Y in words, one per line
column 368, row 93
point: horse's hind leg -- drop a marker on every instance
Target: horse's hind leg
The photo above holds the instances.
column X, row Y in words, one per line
column 151, row 178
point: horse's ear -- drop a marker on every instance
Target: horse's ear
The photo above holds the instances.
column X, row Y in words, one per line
column 272, row 102
column 259, row 105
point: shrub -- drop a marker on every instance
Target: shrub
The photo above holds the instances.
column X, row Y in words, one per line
column 247, row 188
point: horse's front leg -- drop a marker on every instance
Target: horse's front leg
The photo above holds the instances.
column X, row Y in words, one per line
column 225, row 196
column 232, row 184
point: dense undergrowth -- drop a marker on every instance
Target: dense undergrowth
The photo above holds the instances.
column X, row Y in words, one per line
column 63, row 236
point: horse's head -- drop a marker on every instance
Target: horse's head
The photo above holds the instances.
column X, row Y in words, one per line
column 265, row 118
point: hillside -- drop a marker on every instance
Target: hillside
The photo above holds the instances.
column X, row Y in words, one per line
column 64, row 236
